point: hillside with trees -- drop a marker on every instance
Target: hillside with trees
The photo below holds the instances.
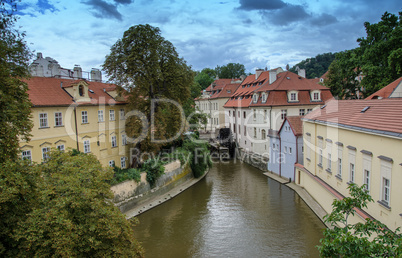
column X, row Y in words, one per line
column 316, row 66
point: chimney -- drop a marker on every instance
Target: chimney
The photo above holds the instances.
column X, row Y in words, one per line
column 272, row 76
column 96, row 75
column 39, row 55
column 302, row 73
column 77, row 72
column 258, row 73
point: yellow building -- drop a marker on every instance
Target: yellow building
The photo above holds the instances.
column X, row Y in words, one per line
column 78, row 114
column 357, row 141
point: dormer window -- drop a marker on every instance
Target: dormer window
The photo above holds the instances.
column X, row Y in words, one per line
column 293, row 96
column 316, row 95
column 81, row 90
column 264, row 97
column 255, row 98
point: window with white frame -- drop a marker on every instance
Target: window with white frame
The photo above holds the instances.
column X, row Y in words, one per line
column 84, row 117
column 60, row 147
column 316, row 95
column 366, row 171
column 265, row 115
column 111, row 115
column 263, row 134
column 123, row 162
column 111, row 163
column 123, row 139
column 58, row 119
column 320, row 151
column 87, row 146
column 43, row 123
column 309, row 110
column 285, row 149
column 352, row 162
column 264, row 97
column 308, row 144
column 385, row 171
column 292, row 97
column 340, row 153
column 114, row 141
column 302, row 112
column 255, row 98
column 122, row 114
column 100, row 116
column 26, row 154
column 290, row 150
column 329, row 156
column 45, row 153
column 283, row 113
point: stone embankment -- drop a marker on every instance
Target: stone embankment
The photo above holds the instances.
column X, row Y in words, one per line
column 134, row 198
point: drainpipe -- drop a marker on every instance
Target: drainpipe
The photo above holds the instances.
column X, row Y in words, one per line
column 297, row 159
column 76, row 128
column 280, row 153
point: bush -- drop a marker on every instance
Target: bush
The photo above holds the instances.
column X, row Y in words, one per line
column 154, row 169
column 121, row 175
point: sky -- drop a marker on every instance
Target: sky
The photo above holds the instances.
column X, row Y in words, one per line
column 206, row 33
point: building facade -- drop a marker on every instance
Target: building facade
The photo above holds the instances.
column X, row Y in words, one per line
column 355, row 141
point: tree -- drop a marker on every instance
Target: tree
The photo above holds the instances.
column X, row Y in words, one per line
column 342, row 74
column 205, row 77
column 316, row 66
column 62, row 208
column 149, row 68
column 369, row 239
column 231, row 70
column 381, row 52
column 15, row 107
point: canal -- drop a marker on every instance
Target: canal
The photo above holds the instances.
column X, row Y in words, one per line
column 235, row 211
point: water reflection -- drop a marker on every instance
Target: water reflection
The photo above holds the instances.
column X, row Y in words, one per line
column 234, row 212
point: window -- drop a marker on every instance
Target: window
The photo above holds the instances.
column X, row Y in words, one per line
column 58, row 119
column 254, row 114
column 386, row 191
column 352, row 173
column 367, row 179
column 290, row 150
column 43, row 120
column 114, row 141
column 309, row 110
column 81, row 90
column 111, row 163
column 255, row 98
column 244, row 114
column 26, row 155
column 302, row 112
column 87, row 147
column 238, row 114
column 245, row 131
column 123, row 162
column 60, row 147
column 239, row 130
column 263, row 134
column 255, row 132
column 339, row 161
column 308, row 144
column 45, row 153
column 329, row 156
column 123, row 139
column 111, row 115
column 84, row 117
column 286, row 149
column 329, row 162
column 100, row 116
column 320, row 157
column 315, row 95
column 264, row 97
column 265, row 115
column 283, row 114
column 293, row 96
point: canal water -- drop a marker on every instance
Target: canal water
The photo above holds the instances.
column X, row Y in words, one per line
column 235, row 211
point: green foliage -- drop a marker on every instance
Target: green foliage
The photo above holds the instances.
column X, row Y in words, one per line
column 121, row 175
column 381, row 52
column 369, row 239
column 62, row 208
column 342, row 74
column 15, row 106
column 205, row 77
column 316, row 66
column 231, row 70
column 200, row 159
column 154, row 169
column 149, row 68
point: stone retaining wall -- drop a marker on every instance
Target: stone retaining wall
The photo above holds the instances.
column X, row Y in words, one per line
column 252, row 159
column 129, row 194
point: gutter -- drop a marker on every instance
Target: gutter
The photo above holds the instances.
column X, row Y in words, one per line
column 76, row 128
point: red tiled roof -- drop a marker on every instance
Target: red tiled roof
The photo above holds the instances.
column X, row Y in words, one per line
column 219, row 84
column 227, row 91
column 45, row 91
column 386, row 91
column 296, row 124
column 383, row 115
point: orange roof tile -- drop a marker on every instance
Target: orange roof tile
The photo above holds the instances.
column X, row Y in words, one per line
column 45, row 91
column 383, row 116
column 386, row 91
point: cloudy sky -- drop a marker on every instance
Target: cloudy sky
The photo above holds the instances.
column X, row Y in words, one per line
column 207, row 33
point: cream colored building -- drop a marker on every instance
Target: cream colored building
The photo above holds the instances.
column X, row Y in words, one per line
column 77, row 114
column 357, row 141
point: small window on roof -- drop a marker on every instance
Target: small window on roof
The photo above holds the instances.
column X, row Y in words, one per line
column 81, row 90
column 365, row 109
column 91, row 91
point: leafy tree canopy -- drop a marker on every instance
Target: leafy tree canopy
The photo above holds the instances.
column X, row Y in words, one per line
column 62, row 208
column 149, row 68
column 316, row 66
column 231, row 70
column 14, row 101
column 369, row 239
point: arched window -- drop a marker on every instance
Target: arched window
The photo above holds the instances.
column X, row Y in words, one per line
column 263, row 134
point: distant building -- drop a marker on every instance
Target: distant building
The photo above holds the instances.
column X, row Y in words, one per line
column 392, row 90
column 357, row 141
